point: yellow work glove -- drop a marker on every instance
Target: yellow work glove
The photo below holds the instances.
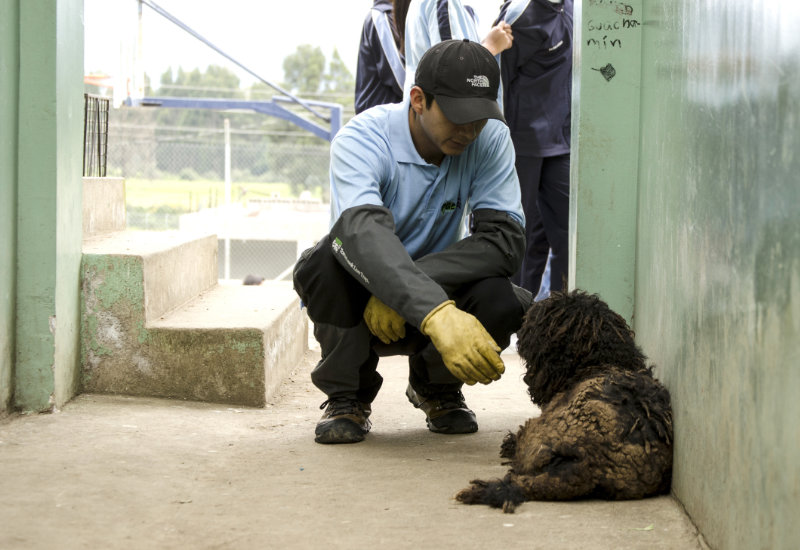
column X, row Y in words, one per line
column 468, row 350
column 383, row 321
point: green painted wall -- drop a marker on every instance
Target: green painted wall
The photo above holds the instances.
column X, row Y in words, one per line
column 69, row 235
column 48, row 151
column 9, row 70
column 717, row 243
column 605, row 149
column 718, row 259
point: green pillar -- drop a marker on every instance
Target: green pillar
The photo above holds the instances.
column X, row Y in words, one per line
column 9, row 69
column 48, row 213
column 605, row 149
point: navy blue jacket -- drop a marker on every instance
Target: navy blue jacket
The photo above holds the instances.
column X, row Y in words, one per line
column 537, row 76
column 380, row 72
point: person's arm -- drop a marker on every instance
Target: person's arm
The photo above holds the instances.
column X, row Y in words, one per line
column 493, row 249
column 366, row 246
column 496, row 244
column 368, row 79
column 499, row 38
column 369, row 250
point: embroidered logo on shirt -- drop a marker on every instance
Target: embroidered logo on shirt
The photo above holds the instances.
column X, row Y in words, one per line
column 450, row 206
column 479, row 81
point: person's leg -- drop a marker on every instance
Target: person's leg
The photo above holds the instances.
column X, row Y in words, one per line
column 347, row 374
column 529, row 170
column 554, row 208
column 348, row 364
column 432, row 387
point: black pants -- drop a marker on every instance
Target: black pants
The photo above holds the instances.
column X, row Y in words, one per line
column 350, row 355
column 544, row 183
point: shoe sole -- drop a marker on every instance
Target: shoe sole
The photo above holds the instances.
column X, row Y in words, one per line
column 340, row 431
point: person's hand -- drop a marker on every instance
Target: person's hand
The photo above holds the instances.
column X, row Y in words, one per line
column 383, row 321
column 499, row 38
column 468, row 350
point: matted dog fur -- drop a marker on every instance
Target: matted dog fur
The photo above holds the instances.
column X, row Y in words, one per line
column 605, row 430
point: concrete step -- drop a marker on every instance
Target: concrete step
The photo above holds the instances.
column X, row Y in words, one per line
column 154, row 322
column 234, row 344
column 169, row 268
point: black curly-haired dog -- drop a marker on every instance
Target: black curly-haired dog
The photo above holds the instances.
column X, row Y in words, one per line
column 605, row 430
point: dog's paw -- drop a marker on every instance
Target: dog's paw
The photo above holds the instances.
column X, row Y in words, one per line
column 497, row 493
column 474, row 494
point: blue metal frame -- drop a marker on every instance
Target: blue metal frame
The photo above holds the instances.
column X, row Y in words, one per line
column 270, row 108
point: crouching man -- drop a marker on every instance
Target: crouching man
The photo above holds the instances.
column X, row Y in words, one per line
column 394, row 275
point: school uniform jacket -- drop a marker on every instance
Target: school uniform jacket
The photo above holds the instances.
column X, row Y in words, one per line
column 536, row 73
column 380, row 73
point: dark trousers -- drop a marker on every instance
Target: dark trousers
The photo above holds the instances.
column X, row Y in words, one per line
column 350, row 355
column 544, row 183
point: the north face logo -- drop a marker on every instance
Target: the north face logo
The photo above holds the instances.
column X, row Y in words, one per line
column 479, row 81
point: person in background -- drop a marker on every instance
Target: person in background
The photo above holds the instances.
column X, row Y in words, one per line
column 396, row 275
column 380, row 72
column 423, row 23
column 537, row 89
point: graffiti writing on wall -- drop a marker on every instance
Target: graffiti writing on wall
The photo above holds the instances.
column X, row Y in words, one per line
column 607, row 32
column 619, row 7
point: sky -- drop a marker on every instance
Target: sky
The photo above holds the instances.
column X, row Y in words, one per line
column 257, row 33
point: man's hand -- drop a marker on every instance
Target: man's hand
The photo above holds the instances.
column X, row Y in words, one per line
column 499, row 38
column 468, row 350
column 383, row 321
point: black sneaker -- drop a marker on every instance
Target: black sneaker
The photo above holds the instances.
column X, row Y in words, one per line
column 445, row 413
column 345, row 420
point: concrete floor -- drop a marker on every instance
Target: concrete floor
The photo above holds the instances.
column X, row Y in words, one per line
column 119, row 472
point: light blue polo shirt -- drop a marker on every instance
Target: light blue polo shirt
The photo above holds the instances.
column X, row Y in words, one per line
column 374, row 161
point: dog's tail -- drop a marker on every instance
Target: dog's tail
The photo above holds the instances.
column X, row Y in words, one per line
column 497, row 493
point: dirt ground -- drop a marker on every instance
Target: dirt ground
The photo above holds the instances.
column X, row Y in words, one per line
column 120, row 472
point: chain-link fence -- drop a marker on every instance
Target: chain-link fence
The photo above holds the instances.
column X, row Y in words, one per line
column 273, row 204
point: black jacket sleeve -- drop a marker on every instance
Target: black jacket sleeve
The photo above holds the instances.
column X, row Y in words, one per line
column 494, row 248
column 367, row 247
column 365, row 244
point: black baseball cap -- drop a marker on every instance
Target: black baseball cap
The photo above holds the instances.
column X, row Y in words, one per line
column 464, row 78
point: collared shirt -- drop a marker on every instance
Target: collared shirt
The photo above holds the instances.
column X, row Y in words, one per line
column 429, row 22
column 380, row 73
column 537, row 76
column 374, row 162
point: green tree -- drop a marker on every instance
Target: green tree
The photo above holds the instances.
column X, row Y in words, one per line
column 339, row 83
column 180, row 151
column 304, row 70
column 216, row 81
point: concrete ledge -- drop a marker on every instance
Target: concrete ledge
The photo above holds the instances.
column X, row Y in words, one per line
column 236, row 343
column 231, row 344
column 175, row 266
column 103, row 206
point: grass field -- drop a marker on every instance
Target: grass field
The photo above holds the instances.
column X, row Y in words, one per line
column 189, row 196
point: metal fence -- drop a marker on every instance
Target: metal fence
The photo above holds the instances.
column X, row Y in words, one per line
column 263, row 192
column 95, row 135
